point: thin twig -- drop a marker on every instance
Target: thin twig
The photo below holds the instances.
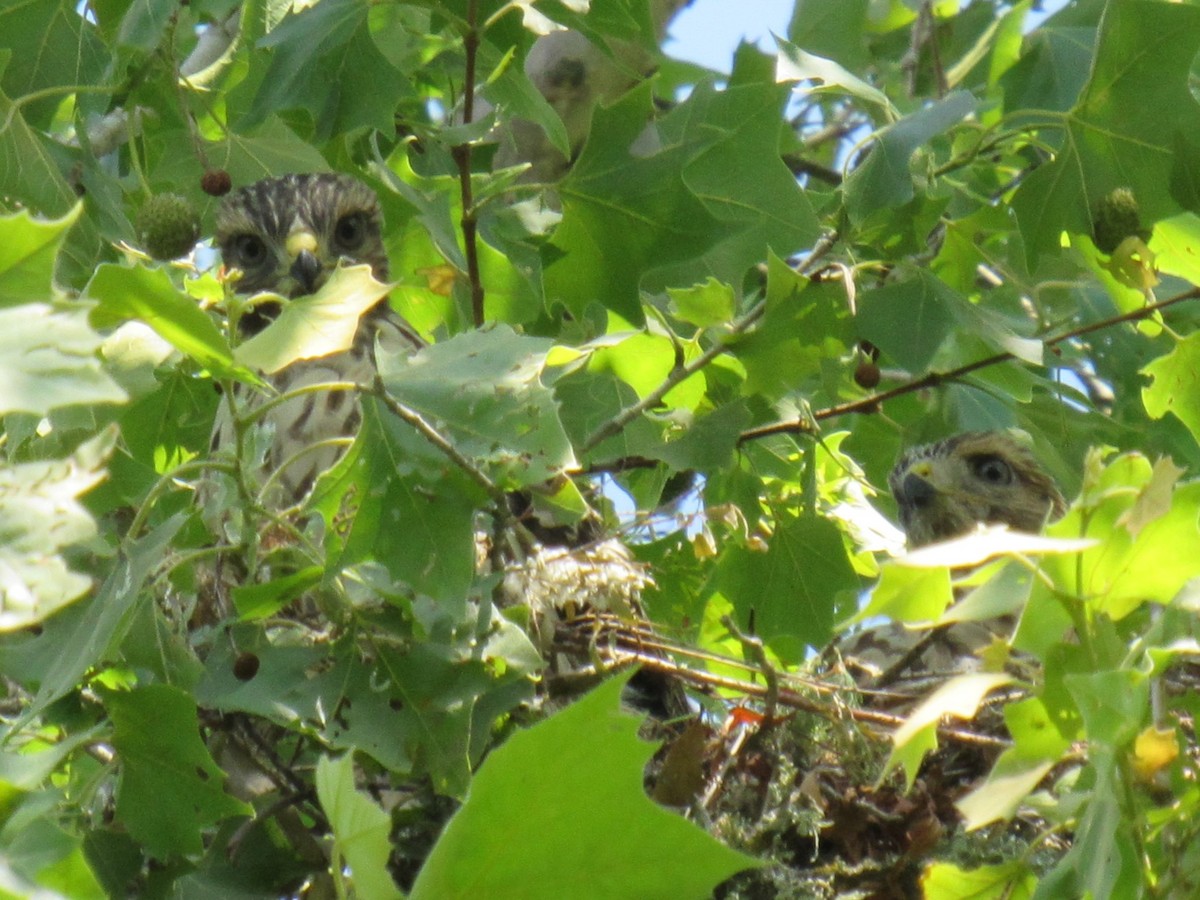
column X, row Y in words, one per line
column 462, row 156
column 872, row 402
column 677, row 374
column 440, row 441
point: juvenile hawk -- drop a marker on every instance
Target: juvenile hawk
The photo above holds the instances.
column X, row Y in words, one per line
column 945, row 489
column 286, row 235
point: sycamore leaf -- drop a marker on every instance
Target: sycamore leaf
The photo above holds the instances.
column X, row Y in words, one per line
column 316, row 325
column 577, row 820
column 28, row 247
column 1176, row 384
column 361, row 830
column 1006, row 787
column 156, row 734
column 907, row 594
column 959, row 697
column 987, row 542
column 1006, row 881
column 485, row 389
column 148, row 295
column 884, row 179
column 49, row 359
column 1115, row 135
column 793, row 591
column 794, row 64
column 41, row 515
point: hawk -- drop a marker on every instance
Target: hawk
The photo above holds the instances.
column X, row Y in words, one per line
column 286, row 235
column 944, row 490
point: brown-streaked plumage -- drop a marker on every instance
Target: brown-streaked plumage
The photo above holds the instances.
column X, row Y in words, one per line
column 287, row 235
column 945, row 489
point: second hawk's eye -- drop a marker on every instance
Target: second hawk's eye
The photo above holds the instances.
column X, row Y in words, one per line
column 246, row 251
column 992, row 469
column 350, row 231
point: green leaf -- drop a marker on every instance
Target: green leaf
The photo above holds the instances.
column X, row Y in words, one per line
column 1133, row 562
column 41, row 515
column 1125, row 129
column 1176, row 384
column 959, row 697
column 156, row 733
column 148, row 295
column 794, row 590
column 485, row 389
column 795, row 64
column 325, row 60
column 74, row 641
column 578, row 821
column 908, row 594
column 53, row 46
column 923, row 324
column 832, row 28
column 511, row 92
column 361, row 829
column 48, row 359
column 703, row 305
column 260, row 601
column 28, row 248
column 617, row 206
column 314, row 325
column 1006, row 881
column 28, row 171
column 884, row 178
column 394, row 498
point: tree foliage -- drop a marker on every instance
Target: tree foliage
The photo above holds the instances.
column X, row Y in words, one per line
column 745, row 294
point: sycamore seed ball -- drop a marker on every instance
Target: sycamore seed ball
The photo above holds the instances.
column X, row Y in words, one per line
column 168, row 226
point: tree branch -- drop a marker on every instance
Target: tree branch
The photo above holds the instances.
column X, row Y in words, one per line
column 872, row 402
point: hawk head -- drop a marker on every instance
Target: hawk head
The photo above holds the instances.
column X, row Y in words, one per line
column 979, row 477
column 287, row 234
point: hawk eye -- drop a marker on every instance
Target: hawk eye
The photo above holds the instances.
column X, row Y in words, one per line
column 248, row 251
column 992, row 469
column 350, row 231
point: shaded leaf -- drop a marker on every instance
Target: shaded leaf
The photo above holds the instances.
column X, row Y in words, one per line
column 792, row 592
column 585, row 758
column 156, row 733
column 485, row 389
column 148, row 295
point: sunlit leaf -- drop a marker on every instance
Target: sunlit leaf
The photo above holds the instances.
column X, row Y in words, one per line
column 315, row 325
column 28, row 247
column 49, row 359
column 959, row 697
column 42, row 515
column 360, row 829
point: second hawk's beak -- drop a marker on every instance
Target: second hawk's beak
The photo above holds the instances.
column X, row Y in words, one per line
column 916, row 487
column 306, row 268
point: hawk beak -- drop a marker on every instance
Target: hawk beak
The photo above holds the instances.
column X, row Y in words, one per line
column 306, row 267
column 917, row 489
